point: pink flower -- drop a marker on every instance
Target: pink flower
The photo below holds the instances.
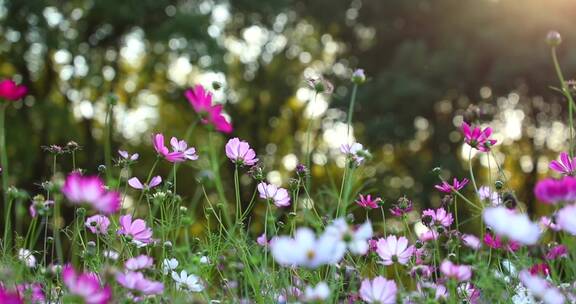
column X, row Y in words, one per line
column 97, row 224
column 394, row 250
column 136, row 229
column 478, row 138
column 9, row 297
column 548, row 223
column 557, row 251
column 565, row 219
column 279, row 196
column 552, row 191
column 9, row 90
column 80, row 189
column 355, row 152
column 379, row 290
column 136, row 282
column 201, row 102
column 469, row 292
column 136, row 184
column 566, row 165
column 40, row 207
column 367, row 201
column 456, row 185
column 457, row 272
column 239, row 152
column 439, row 216
column 180, row 151
column 541, row 268
column 402, row 206
column 127, row 156
column 495, row 242
column 139, row 262
column 541, row 288
column 262, row 240
column 34, row 291
column 471, row 241
column 86, row 285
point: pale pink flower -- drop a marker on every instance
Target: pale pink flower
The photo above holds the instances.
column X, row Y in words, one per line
column 379, row 290
column 469, row 292
column 139, row 262
column 439, row 216
column 512, row 225
column 547, row 223
column 180, row 151
column 136, row 282
column 394, row 250
column 368, row 202
column 97, row 224
column 279, row 196
column 136, row 229
column 90, row 190
column 180, row 146
column 566, row 165
column 135, row 183
column 478, row 138
column 262, row 240
column 566, row 219
column 541, row 288
column 239, row 152
column 355, row 152
column 471, row 241
column 127, row 156
column 9, row 90
column 86, row 286
column 457, row 272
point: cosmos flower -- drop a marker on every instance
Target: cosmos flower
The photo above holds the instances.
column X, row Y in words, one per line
column 136, row 229
column 379, row 291
column 485, row 194
column 458, row 272
column 565, row 219
column 552, row 191
column 355, row 152
column 471, row 241
column 127, row 156
column 394, row 249
column 355, row 239
column 31, row 293
column 239, row 152
column 136, row 282
column 86, row 286
column 318, row 293
column 169, row 264
column 26, row 257
column 306, row 250
column 402, row 206
column 201, row 102
column 512, row 225
column 278, row 196
column 180, row 150
column 368, row 202
column 97, row 224
column 456, row 185
column 139, row 262
column 566, row 164
column 541, row 288
column 135, row 183
column 9, row 90
column 439, row 217
column 90, row 190
column 9, row 297
column 189, row 282
column 478, row 138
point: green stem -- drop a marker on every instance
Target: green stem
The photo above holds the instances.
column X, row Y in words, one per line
column 217, row 179
column 309, row 142
column 472, row 171
column 107, row 141
column 4, row 163
column 351, row 110
column 7, row 227
column 237, row 190
column 567, row 94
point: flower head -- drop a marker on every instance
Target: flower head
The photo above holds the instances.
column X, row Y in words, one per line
column 471, row 241
column 320, row 84
column 458, row 272
column 379, row 290
column 97, row 224
column 402, row 206
column 31, row 293
column 139, row 262
column 478, row 138
column 180, row 150
column 541, row 288
column 136, row 184
column 565, row 219
column 394, row 249
column 86, row 285
column 9, row 297
column 496, row 242
column 368, row 202
column 456, row 185
column 189, row 282
column 90, row 190
column 439, row 217
column 355, row 152
column 239, row 152
column 9, row 90
column 306, row 250
column 318, row 293
column 136, row 282
column 278, row 196
column 127, row 156
column 514, row 226
column 26, row 257
column 169, row 264
column 552, row 191
column 557, row 251
column 355, row 239
column 485, row 194
column 136, row 230
column 201, row 102
column 566, row 164
column 358, row 77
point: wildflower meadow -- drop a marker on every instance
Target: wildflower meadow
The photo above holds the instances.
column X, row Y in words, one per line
column 107, row 234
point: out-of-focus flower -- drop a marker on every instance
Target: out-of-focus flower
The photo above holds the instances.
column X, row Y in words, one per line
column 31, row 293
column 557, row 251
column 239, row 152
column 565, row 219
column 553, row 38
column 9, row 90
column 320, row 84
column 355, row 239
column 40, row 206
column 541, row 289
column 98, row 224
column 402, row 206
column 318, row 293
column 135, row 281
column 111, row 254
column 278, row 196
column 469, row 292
column 358, row 77
column 139, row 262
column 86, row 286
column 9, row 297
column 566, row 164
column 485, row 194
column 471, row 241
column 478, row 138
column 456, row 185
column 512, row 225
column 262, row 240
column 548, row 223
column 552, row 191
column 355, row 152
column 458, row 272
column 306, row 250
column 127, row 156
column 540, row 268
column 136, row 230
column 439, row 217
column 496, row 242
column 189, row 282
column 26, row 257
column 394, row 249
column 136, row 184
column 90, row 190
column 201, row 102
column 366, row 201
column 379, row 290
column 169, row 264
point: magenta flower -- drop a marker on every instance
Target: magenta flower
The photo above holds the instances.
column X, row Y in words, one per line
column 565, row 219
column 201, row 101
column 394, row 250
column 41, row 208
column 402, row 206
column 458, row 272
column 136, row 230
column 496, row 242
column 558, row 251
column 86, row 286
column 90, row 190
column 97, row 224
column 439, row 217
column 32, row 293
column 9, row 297
column 180, row 151
column 136, row 184
column 136, row 282
column 139, row 262
column 469, row 292
column 456, row 185
column 379, row 290
column 239, row 152
column 566, row 165
column 367, row 201
column 279, row 196
column 478, row 138
column 9, row 90
column 552, row 191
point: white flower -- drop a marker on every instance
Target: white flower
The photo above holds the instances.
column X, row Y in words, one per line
column 169, row 265
column 319, row 292
column 565, row 219
column 355, row 151
column 512, row 225
column 184, row 281
column 541, row 289
column 486, row 194
column 356, row 240
column 27, row 257
column 111, row 254
column 204, row 260
column 307, row 250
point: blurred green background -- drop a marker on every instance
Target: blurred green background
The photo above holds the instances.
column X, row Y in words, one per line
column 427, row 62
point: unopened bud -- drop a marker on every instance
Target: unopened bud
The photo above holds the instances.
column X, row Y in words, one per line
column 553, row 39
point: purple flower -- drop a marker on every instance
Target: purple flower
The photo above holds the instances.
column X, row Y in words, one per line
column 557, row 251
column 367, row 201
column 279, row 196
column 239, row 152
column 86, row 285
column 127, row 156
column 136, row 184
column 136, row 282
column 552, row 191
column 456, row 185
column 478, row 138
column 137, row 229
column 98, row 224
column 139, row 262
column 566, row 165
column 90, row 190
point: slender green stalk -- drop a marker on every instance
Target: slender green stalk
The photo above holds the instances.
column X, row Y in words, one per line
column 5, row 173
column 568, row 96
column 237, row 191
column 309, row 142
column 383, row 220
column 351, row 109
column 7, row 227
column 107, row 141
column 217, row 179
column 472, row 171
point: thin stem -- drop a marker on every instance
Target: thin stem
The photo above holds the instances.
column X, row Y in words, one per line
column 383, row 220
column 4, row 173
column 567, row 94
column 107, row 141
column 237, row 190
column 351, row 110
column 309, row 142
column 217, row 179
column 472, row 171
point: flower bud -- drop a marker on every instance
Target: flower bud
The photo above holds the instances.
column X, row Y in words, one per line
column 499, row 185
column 112, row 99
column 553, row 39
column 101, row 168
column 358, row 77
